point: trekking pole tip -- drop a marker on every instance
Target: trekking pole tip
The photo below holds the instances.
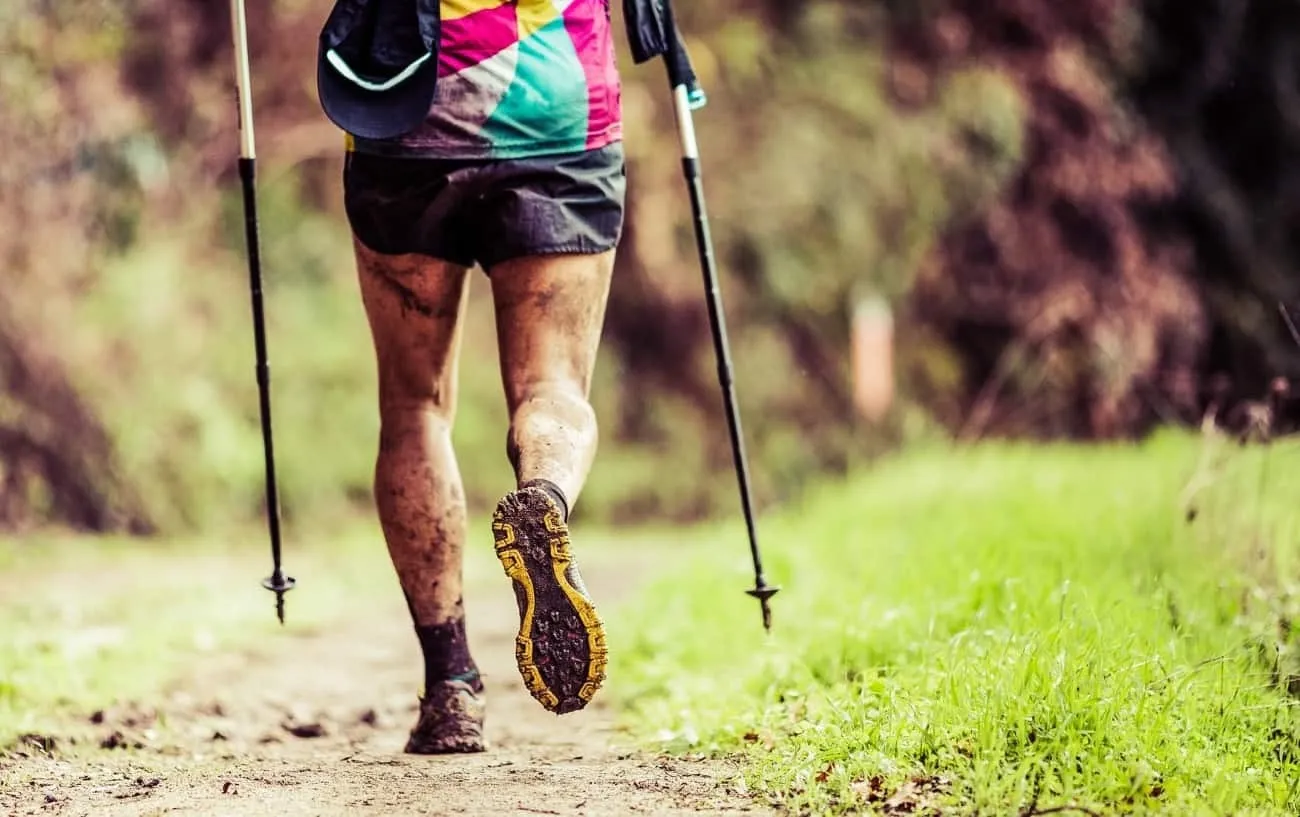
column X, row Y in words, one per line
column 764, row 593
column 279, row 584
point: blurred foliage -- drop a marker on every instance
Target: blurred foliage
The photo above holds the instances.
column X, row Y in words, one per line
column 821, row 193
column 850, row 150
column 1220, row 82
column 1132, row 272
column 1071, row 318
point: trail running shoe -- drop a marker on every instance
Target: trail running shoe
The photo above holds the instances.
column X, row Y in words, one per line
column 451, row 721
column 560, row 648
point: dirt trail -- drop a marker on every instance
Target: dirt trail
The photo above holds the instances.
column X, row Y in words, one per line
column 318, row 727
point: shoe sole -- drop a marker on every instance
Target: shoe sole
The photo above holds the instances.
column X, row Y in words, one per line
column 452, row 746
column 560, row 648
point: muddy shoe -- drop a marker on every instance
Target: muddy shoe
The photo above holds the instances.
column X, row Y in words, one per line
column 560, row 648
column 451, row 721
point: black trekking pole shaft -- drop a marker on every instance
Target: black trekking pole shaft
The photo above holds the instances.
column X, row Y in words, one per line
column 722, row 350
column 687, row 96
column 277, row 582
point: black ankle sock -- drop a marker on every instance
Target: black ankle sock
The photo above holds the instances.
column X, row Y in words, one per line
column 446, row 654
column 552, row 489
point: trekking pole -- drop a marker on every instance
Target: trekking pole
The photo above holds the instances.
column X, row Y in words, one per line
column 1290, row 323
column 688, row 97
column 277, row 582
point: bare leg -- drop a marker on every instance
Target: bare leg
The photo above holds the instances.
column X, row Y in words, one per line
column 550, row 312
column 414, row 305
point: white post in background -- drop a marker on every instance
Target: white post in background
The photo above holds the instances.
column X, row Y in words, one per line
column 873, row 357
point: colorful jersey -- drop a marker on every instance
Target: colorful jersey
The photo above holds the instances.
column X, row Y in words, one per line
column 519, row 78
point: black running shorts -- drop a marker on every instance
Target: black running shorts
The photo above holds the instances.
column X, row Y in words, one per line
column 486, row 211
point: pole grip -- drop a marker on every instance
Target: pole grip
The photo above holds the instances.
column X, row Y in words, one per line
column 681, row 73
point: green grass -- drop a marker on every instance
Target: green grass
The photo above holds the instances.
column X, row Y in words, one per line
column 973, row 632
column 996, row 630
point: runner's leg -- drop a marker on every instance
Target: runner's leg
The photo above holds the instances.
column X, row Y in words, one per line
column 415, row 305
column 550, row 311
column 550, row 226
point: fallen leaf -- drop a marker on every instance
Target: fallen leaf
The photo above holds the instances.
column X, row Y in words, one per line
column 871, row 791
